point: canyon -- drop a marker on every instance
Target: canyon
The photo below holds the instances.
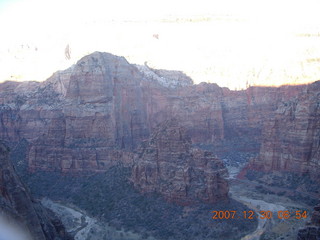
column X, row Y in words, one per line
column 20, row 212
column 172, row 135
column 94, row 114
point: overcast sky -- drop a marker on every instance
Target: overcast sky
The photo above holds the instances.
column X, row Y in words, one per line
column 229, row 42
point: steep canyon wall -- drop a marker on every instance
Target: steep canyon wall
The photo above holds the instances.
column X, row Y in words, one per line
column 96, row 113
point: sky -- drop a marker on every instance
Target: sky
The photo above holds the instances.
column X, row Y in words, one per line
column 233, row 43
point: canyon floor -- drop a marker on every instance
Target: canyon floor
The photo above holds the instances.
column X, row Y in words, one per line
column 93, row 209
column 260, row 196
column 253, row 194
column 104, row 206
column 83, row 227
column 274, row 228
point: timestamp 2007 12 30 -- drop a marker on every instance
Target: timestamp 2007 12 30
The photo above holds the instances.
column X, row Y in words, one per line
column 226, row 214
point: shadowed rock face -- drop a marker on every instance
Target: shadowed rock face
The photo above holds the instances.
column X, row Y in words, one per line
column 167, row 164
column 18, row 207
column 291, row 139
column 312, row 230
column 94, row 114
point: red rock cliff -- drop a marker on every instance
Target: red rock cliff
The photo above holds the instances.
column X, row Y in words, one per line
column 291, row 138
column 95, row 113
column 167, row 164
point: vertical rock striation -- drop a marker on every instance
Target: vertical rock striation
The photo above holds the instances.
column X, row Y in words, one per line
column 100, row 117
column 167, row 164
column 291, row 139
column 98, row 111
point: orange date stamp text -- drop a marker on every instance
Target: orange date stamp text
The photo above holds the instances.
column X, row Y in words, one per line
column 226, row 214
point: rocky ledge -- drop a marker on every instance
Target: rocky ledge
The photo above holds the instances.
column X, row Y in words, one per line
column 167, row 164
column 19, row 209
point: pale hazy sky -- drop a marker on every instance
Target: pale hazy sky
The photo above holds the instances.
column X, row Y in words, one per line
column 229, row 42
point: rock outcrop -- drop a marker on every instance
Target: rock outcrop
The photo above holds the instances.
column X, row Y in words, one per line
column 94, row 114
column 19, row 208
column 312, row 229
column 167, row 164
column 84, row 118
column 290, row 139
column 244, row 112
column 166, row 78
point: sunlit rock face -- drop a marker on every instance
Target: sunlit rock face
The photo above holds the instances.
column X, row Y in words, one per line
column 290, row 139
column 170, row 79
column 20, row 214
column 99, row 109
column 94, row 114
column 167, row 164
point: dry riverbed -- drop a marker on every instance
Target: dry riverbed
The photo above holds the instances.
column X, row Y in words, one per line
column 273, row 228
column 83, row 227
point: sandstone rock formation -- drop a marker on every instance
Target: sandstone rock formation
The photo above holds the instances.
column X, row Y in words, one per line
column 170, row 79
column 94, row 114
column 291, row 138
column 18, row 207
column 167, row 164
column 312, row 230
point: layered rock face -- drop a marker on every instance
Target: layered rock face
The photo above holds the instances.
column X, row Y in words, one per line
column 81, row 118
column 18, row 207
column 167, row 164
column 244, row 112
column 312, row 230
column 94, row 114
column 291, row 138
